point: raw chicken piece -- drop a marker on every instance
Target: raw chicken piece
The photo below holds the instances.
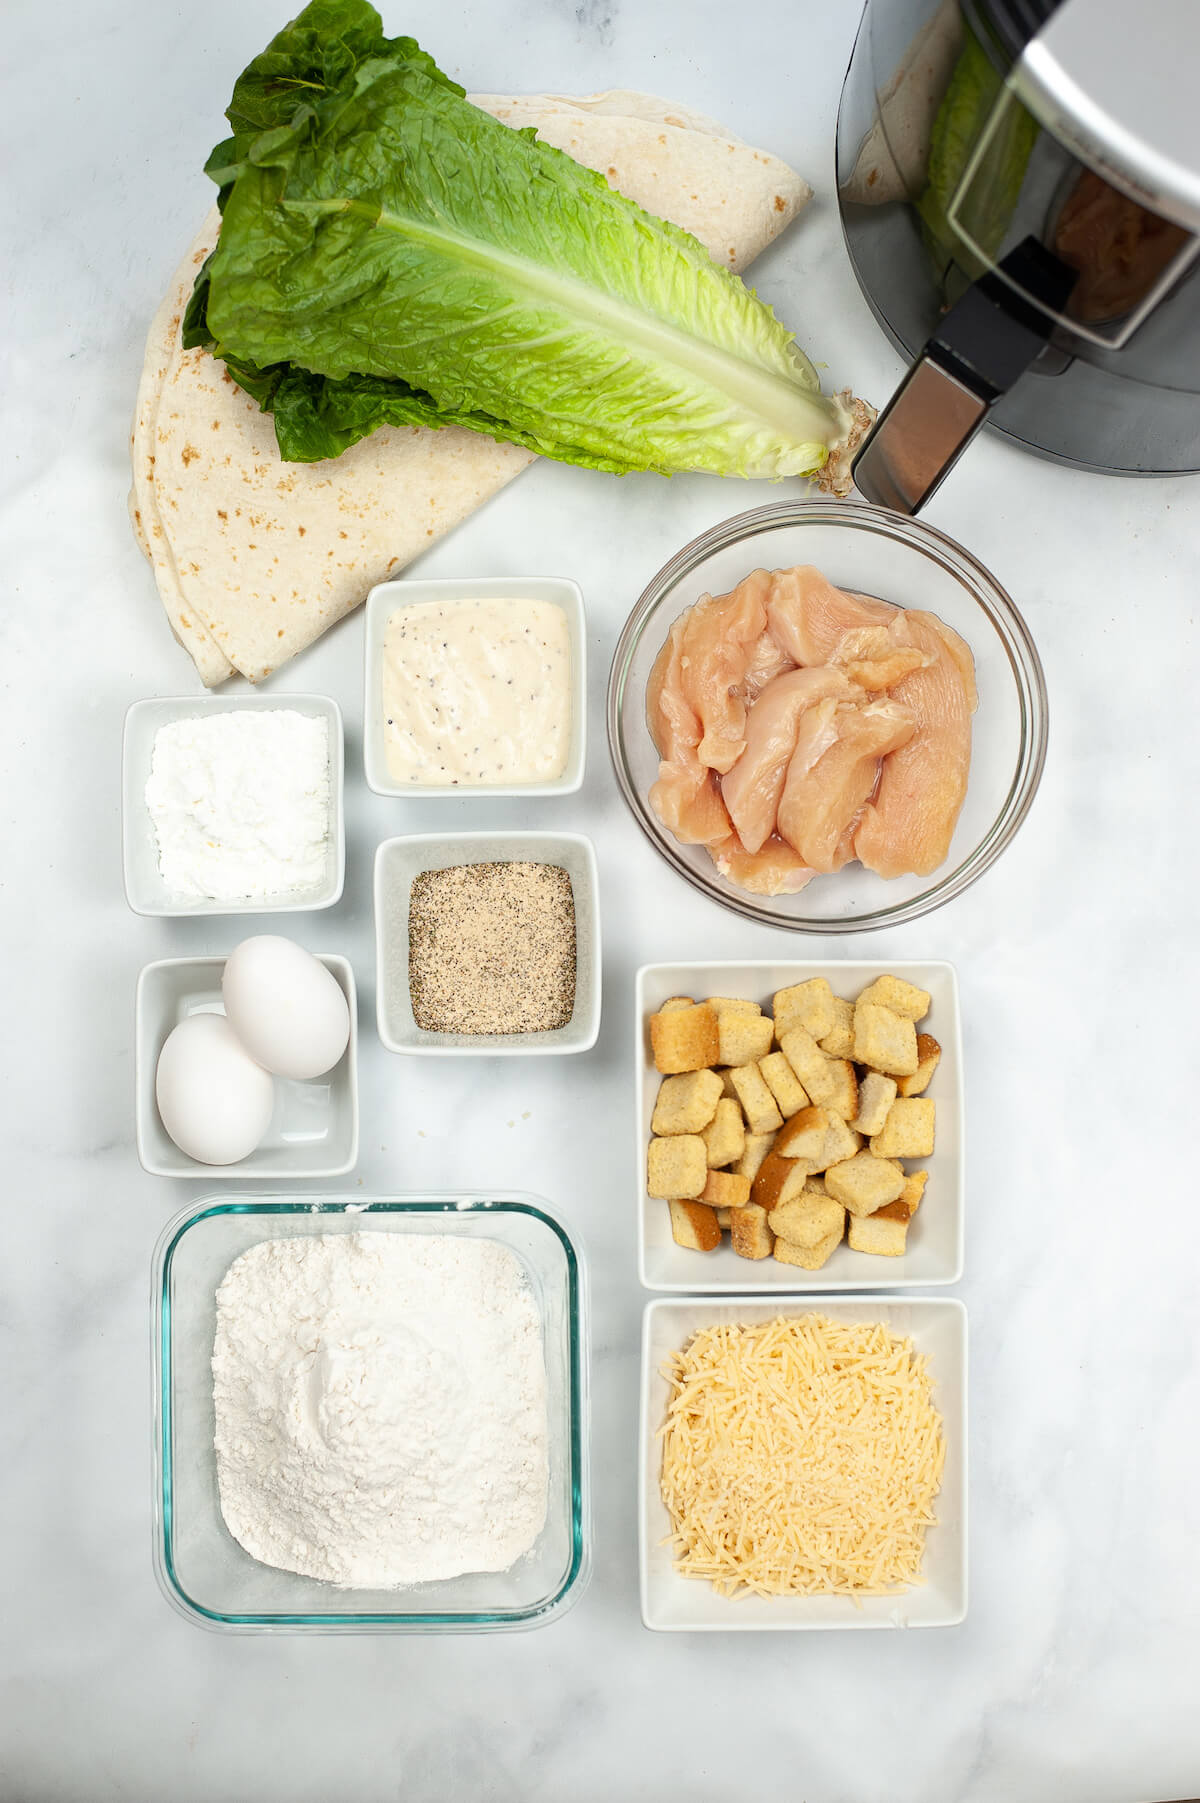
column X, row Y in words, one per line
column 686, row 796
column 823, row 795
column 752, row 788
column 910, row 823
column 774, row 870
column 808, row 617
column 871, row 657
column 767, row 661
column 719, row 638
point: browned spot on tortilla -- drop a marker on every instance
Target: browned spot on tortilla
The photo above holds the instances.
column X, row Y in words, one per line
column 194, row 568
column 185, row 622
column 612, row 172
column 780, row 203
column 301, row 530
column 216, row 425
column 392, row 562
column 343, row 534
column 221, row 514
column 429, row 531
column 279, row 634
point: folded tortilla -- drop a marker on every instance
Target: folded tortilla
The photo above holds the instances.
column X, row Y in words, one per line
column 255, row 558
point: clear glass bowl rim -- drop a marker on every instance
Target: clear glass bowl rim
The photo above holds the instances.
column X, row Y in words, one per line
column 1010, row 629
column 454, row 1203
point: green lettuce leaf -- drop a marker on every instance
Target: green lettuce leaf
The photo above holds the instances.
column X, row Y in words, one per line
column 391, row 255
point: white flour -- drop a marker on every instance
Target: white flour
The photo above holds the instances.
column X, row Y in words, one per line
column 240, row 803
column 380, row 1407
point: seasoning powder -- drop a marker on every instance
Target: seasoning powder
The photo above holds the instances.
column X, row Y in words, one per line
column 491, row 949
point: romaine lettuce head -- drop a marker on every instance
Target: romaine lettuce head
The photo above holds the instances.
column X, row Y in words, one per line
column 389, row 254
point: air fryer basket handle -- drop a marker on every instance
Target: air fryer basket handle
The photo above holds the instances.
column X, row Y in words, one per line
column 983, row 344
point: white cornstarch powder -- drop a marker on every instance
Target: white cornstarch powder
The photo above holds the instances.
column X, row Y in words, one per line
column 241, row 803
column 380, row 1407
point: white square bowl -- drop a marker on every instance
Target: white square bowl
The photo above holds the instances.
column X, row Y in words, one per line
column 398, row 861
column 384, row 600
column 144, row 888
column 937, row 1327
column 314, row 1130
column 935, row 1234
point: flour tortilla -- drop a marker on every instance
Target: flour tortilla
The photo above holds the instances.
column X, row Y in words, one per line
column 255, row 558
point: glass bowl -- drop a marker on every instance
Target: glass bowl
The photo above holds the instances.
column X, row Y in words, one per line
column 202, row 1570
column 901, row 560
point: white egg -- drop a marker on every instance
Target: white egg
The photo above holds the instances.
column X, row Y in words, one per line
column 213, row 1099
column 287, row 1009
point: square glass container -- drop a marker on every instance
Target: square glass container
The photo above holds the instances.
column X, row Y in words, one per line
column 937, row 1327
column 202, row 1570
column 314, row 1129
column 389, row 597
column 399, row 861
column 144, row 888
column 934, row 1248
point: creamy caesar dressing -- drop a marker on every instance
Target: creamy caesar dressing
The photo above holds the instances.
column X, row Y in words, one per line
column 477, row 692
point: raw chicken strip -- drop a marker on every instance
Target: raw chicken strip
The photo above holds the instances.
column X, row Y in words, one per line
column 823, row 796
column 809, row 617
column 775, row 870
column 871, row 657
column 751, row 790
column 720, row 635
column 686, row 796
column 767, row 661
column 910, row 823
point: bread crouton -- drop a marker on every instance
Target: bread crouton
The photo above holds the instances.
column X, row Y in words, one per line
column 885, row 1041
column 749, row 1233
column 783, row 1084
column 839, row 1041
column 743, row 1038
column 839, row 1087
column 809, row 1258
column 803, row 1136
column 694, row 1225
column 841, row 1142
column 725, row 1189
column 806, row 1058
column 733, row 1004
column 758, row 1145
column 908, row 1131
column 758, row 1104
column 914, row 1189
column 807, row 1219
column 674, row 1003
column 864, row 1183
column 686, row 1103
column 929, row 1056
column 885, row 1232
column 815, row 1185
column 902, row 998
column 724, row 1216
column 777, row 1180
column 676, row 1168
column 875, row 1096
column 808, row 1005
column 725, row 1136
column 685, row 1039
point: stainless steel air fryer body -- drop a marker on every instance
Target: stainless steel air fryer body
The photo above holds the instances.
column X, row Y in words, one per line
column 1019, row 183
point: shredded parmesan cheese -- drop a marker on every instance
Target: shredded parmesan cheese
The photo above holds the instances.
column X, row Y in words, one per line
column 801, row 1456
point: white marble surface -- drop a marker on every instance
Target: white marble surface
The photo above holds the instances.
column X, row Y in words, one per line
column 1074, row 1675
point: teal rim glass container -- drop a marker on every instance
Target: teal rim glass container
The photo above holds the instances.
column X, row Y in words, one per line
column 201, row 1569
